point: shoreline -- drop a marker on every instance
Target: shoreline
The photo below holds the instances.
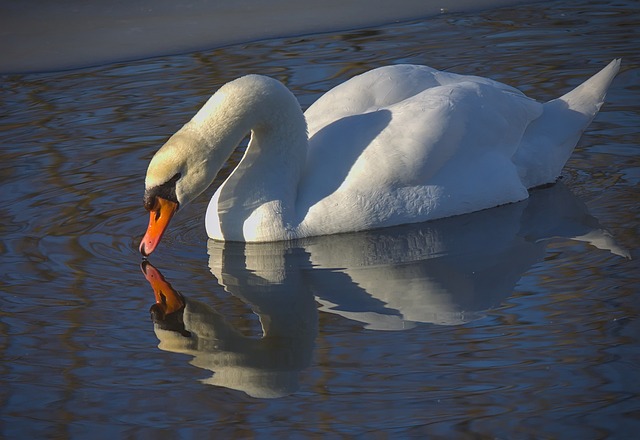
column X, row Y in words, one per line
column 41, row 36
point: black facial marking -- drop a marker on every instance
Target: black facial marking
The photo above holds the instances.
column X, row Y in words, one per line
column 173, row 321
column 167, row 191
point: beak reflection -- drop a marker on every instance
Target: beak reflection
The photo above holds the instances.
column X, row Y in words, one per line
column 168, row 300
column 167, row 312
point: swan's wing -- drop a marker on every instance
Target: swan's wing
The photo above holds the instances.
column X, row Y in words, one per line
column 368, row 92
column 400, row 125
column 383, row 87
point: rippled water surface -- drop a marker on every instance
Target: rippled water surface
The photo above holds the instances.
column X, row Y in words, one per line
column 517, row 322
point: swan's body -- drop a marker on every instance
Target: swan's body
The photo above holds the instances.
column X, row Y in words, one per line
column 399, row 144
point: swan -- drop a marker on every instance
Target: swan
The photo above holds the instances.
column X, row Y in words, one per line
column 395, row 145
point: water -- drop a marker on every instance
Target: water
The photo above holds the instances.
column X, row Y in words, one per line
column 520, row 321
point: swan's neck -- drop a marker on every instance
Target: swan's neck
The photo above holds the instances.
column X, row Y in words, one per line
column 264, row 184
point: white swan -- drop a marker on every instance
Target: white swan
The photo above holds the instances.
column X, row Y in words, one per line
column 398, row 144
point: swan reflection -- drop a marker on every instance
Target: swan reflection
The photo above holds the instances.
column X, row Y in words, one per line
column 263, row 367
column 445, row 272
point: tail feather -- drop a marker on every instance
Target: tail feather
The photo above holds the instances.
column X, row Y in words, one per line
column 549, row 141
column 588, row 97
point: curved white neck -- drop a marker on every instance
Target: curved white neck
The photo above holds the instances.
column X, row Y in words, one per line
column 264, row 184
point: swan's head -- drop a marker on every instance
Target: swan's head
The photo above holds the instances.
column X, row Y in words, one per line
column 180, row 171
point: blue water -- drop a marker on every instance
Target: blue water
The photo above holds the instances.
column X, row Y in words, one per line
column 516, row 322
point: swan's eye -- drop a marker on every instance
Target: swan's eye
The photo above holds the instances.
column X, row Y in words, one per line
column 149, row 202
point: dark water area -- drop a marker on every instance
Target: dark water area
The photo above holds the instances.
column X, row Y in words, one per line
column 516, row 322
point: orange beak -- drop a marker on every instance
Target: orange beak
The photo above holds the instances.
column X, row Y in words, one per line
column 168, row 300
column 159, row 218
